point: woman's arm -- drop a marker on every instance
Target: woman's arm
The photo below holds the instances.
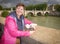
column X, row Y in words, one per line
column 12, row 29
column 27, row 21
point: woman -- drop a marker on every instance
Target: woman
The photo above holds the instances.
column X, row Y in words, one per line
column 12, row 28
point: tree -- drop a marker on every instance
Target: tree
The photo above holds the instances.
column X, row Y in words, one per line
column 41, row 6
column 6, row 8
column 30, row 7
column 4, row 13
column 57, row 7
column 1, row 7
column 37, row 7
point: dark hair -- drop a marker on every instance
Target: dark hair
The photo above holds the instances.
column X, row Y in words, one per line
column 20, row 4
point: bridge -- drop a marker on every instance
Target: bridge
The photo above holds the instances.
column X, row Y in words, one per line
column 32, row 12
column 36, row 12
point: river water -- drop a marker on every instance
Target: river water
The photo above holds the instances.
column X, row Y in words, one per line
column 49, row 21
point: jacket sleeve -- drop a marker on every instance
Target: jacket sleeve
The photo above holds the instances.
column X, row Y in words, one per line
column 13, row 31
column 27, row 21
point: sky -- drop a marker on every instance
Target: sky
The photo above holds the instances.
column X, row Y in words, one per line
column 12, row 3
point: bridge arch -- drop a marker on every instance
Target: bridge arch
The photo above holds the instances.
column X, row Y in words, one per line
column 30, row 14
column 46, row 13
column 39, row 13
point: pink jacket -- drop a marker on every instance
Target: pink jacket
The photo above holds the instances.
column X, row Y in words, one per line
column 11, row 31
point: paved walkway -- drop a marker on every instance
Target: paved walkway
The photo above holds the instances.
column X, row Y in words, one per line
column 2, row 20
column 43, row 35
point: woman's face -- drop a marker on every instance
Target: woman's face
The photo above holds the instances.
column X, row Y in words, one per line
column 20, row 10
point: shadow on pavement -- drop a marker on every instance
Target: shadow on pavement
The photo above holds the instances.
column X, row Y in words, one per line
column 1, row 30
column 28, row 40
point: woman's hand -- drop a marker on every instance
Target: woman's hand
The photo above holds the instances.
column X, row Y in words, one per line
column 33, row 25
column 31, row 32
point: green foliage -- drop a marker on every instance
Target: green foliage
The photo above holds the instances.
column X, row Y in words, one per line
column 30, row 7
column 41, row 6
column 1, row 7
column 4, row 13
column 6, row 8
column 9, row 8
column 14, row 8
column 57, row 7
column 37, row 7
